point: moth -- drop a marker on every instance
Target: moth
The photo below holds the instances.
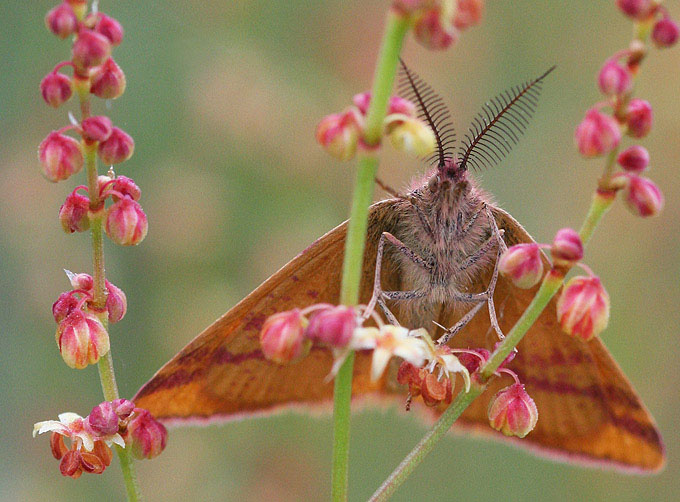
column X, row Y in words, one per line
column 430, row 262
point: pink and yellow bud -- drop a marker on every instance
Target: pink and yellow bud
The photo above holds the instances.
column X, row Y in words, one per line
column 65, row 304
column 108, row 80
column 410, row 135
column 103, row 419
column 472, row 362
column 116, row 302
column 126, row 223
column 635, row 9
column 110, row 28
column 97, row 128
column 583, row 307
column 282, row 338
column 338, row 134
column 468, row 13
column 597, row 134
column 80, row 281
column 56, row 89
column 522, row 265
column 73, row 213
column 123, row 408
column 396, row 104
column 614, row 79
column 567, row 248
column 126, row 187
column 639, row 118
column 118, row 148
column 82, row 339
column 333, row 326
column 89, row 50
column 513, row 412
column 145, row 435
column 60, row 156
column 634, row 159
column 665, row 33
column 640, row 195
column 433, row 32
column 61, row 20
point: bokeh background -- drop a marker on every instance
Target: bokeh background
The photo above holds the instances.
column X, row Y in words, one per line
column 222, row 100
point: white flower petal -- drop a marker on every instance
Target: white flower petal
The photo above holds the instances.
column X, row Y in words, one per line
column 116, row 439
column 364, row 338
column 453, row 365
column 88, row 442
column 68, row 417
column 413, row 350
column 380, row 359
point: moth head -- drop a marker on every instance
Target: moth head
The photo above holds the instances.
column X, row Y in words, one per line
column 449, row 177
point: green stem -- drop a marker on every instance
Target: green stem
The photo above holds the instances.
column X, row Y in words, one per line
column 386, row 68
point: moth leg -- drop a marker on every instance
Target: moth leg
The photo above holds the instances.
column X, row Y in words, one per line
column 483, row 249
column 490, row 290
column 396, row 295
column 450, row 332
column 468, row 225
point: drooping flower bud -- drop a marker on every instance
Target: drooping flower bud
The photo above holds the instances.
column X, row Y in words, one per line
column 60, row 156
column 123, row 408
column 468, row 13
column 97, row 128
column 282, row 338
column 614, row 79
column 597, row 134
column 333, row 326
column 641, row 196
column 118, row 148
column 103, row 419
column 61, row 20
column 126, row 223
column 82, row 339
column 70, row 464
column 634, row 159
column 513, row 412
column 583, row 307
column 108, row 80
column 73, row 213
column 146, row 435
column 116, row 302
column 338, row 134
column 522, row 264
column 665, row 33
column 567, row 248
column 80, row 281
column 636, row 9
column 127, row 187
column 432, row 32
column 396, row 104
column 639, row 118
column 472, row 362
column 90, row 49
column 64, row 305
column 410, row 135
column 56, row 89
column 110, row 28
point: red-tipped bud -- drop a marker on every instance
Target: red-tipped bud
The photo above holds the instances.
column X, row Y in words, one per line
column 639, row 118
column 57, row 445
column 597, row 134
column 116, row 302
column 126, row 223
column 56, row 89
column 146, row 435
column 61, row 20
column 634, row 159
column 64, row 305
column 282, row 337
column 117, row 148
column 97, row 128
column 80, row 281
column 70, row 464
column 468, row 13
column 123, row 408
column 665, row 33
column 126, row 187
column 338, row 134
column 432, row 32
column 567, row 248
column 73, row 213
column 333, row 326
column 90, row 49
column 397, row 104
column 513, row 412
column 103, row 419
column 110, row 28
column 82, row 339
column 60, row 156
column 614, row 79
column 641, row 196
column 522, row 264
column 635, row 9
column 472, row 362
column 107, row 80
column 583, row 307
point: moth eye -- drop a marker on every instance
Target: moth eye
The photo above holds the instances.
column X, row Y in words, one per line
column 432, row 184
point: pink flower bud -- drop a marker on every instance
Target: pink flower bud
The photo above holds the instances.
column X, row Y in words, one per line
column 116, row 302
column 64, row 305
column 56, row 89
column 641, row 196
column 126, row 223
column 567, row 248
column 597, row 134
column 469, row 13
column 614, row 79
column 522, row 265
column 583, row 307
column 103, row 420
column 396, row 104
column 665, row 33
column 432, row 33
column 80, row 281
column 333, row 326
column 472, row 362
column 117, row 148
column 73, row 213
column 82, row 339
column 123, row 408
column 146, row 435
column 60, row 156
column 61, row 20
column 338, row 134
column 97, row 128
column 90, row 49
column 110, row 28
column 107, row 80
column 513, row 412
column 639, row 118
column 127, row 187
column 636, row 9
column 634, row 159
column 282, row 337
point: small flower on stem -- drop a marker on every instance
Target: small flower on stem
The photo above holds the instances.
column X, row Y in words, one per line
column 468, row 13
column 89, row 50
column 103, row 419
column 614, row 79
column 639, row 118
column 126, row 223
column 636, row 9
column 61, row 20
column 82, row 339
column 56, row 89
column 282, row 338
column 60, row 156
column 116, row 302
column 338, row 134
column 513, row 412
column 97, row 128
column 522, row 264
column 146, row 436
column 126, row 187
column 597, row 134
column 333, row 326
column 108, row 80
column 665, row 33
column 110, row 28
column 73, row 213
column 81, row 281
column 433, row 31
column 65, row 304
column 634, row 159
column 567, row 248
column 640, row 195
column 410, row 135
column 583, row 307
column 117, row 148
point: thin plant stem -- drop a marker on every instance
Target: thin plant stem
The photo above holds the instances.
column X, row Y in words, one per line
column 386, row 68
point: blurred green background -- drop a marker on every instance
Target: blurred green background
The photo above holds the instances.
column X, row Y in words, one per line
column 222, row 100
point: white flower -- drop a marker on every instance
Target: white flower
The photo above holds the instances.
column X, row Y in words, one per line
column 450, row 364
column 73, row 427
